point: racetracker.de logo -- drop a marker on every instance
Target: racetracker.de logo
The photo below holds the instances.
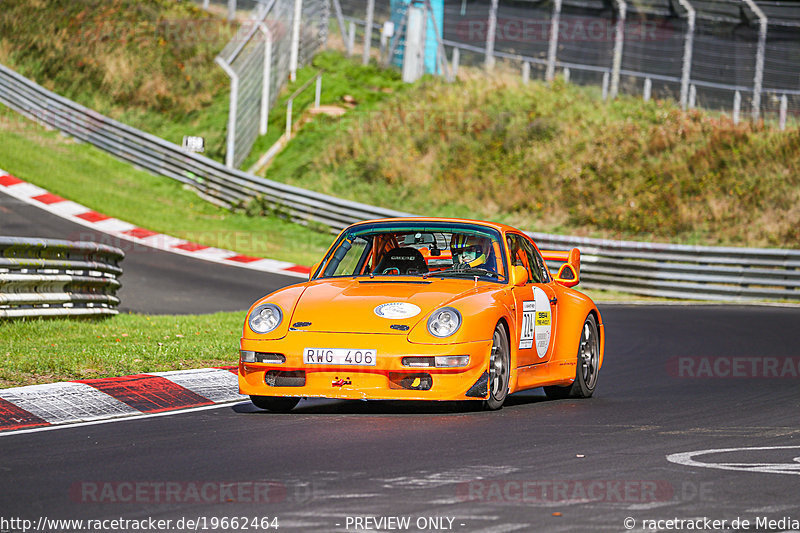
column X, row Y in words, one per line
column 734, row 367
column 561, row 491
column 570, row 29
column 159, row 492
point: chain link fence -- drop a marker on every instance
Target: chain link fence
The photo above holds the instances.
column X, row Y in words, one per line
column 274, row 40
column 737, row 56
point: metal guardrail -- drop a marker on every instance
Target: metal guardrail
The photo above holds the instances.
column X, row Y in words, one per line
column 222, row 185
column 47, row 277
column 695, row 272
column 682, row 271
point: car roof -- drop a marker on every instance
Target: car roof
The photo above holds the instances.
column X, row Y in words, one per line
column 495, row 225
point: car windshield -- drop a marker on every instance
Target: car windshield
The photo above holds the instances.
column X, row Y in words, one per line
column 425, row 250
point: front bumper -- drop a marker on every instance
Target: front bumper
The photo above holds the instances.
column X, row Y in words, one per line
column 389, row 379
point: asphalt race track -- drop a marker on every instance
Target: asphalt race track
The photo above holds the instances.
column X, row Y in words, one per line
column 153, row 281
column 536, row 465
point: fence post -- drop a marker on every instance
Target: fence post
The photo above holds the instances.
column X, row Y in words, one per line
column 619, row 39
column 490, row 36
column 368, row 32
column 231, row 9
column 692, row 96
column 784, row 108
column 288, row 132
column 267, row 77
column 295, row 51
column 205, row 4
column 351, row 37
column 648, row 89
column 566, row 74
column 737, row 106
column 526, row 72
column 688, row 46
column 605, row 86
column 455, row 61
column 760, row 51
column 232, row 107
column 337, row 7
column 553, row 46
column 318, row 92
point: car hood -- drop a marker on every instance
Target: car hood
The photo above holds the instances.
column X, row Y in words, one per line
column 352, row 305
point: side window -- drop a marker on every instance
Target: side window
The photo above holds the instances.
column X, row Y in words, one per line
column 521, row 253
column 533, row 261
column 540, row 264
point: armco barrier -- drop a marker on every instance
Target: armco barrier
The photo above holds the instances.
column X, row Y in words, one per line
column 676, row 271
column 213, row 180
column 682, row 271
column 46, row 277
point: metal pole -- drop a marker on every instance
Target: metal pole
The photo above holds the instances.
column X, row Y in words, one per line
column 526, row 72
column 688, row 46
column 490, row 36
column 288, row 133
column 232, row 107
column 455, row 61
column 566, row 74
column 737, row 106
column 784, row 108
column 295, row 51
column 648, row 89
column 368, row 32
column 205, row 4
column 605, row 86
column 266, row 77
column 760, row 52
column 340, row 19
column 231, row 9
column 318, row 92
column 692, row 96
column 351, row 37
column 619, row 39
column 555, row 20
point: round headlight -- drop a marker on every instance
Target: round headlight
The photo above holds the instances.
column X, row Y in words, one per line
column 265, row 318
column 444, row 322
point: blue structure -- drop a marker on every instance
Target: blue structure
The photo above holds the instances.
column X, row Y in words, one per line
column 399, row 9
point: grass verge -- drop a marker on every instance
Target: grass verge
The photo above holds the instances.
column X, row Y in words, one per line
column 49, row 350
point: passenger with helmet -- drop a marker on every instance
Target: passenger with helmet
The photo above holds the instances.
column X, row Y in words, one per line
column 472, row 251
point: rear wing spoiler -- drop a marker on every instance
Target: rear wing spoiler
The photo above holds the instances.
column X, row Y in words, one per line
column 569, row 272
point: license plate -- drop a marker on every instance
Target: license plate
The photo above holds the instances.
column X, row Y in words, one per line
column 339, row 356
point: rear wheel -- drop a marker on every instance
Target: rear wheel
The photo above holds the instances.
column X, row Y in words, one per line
column 499, row 369
column 275, row 404
column 587, row 367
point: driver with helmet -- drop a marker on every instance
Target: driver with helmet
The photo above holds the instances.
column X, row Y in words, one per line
column 471, row 251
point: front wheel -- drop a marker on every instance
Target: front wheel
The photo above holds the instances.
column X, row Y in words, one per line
column 276, row 404
column 587, row 367
column 499, row 369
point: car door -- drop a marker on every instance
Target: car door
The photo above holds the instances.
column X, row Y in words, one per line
column 535, row 304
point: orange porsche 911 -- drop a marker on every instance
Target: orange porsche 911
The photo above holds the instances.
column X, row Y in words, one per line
column 425, row 309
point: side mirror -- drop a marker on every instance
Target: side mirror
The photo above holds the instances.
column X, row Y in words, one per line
column 313, row 269
column 569, row 273
column 519, row 275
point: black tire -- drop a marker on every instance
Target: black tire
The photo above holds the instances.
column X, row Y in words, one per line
column 499, row 369
column 276, row 404
column 587, row 367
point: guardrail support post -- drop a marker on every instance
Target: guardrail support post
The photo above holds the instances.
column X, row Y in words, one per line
column 350, row 44
column 605, row 86
column 737, row 106
column 455, row 61
column 692, row 96
column 526, row 72
column 318, row 92
column 619, row 39
column 648, row 89
column 553, row 46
